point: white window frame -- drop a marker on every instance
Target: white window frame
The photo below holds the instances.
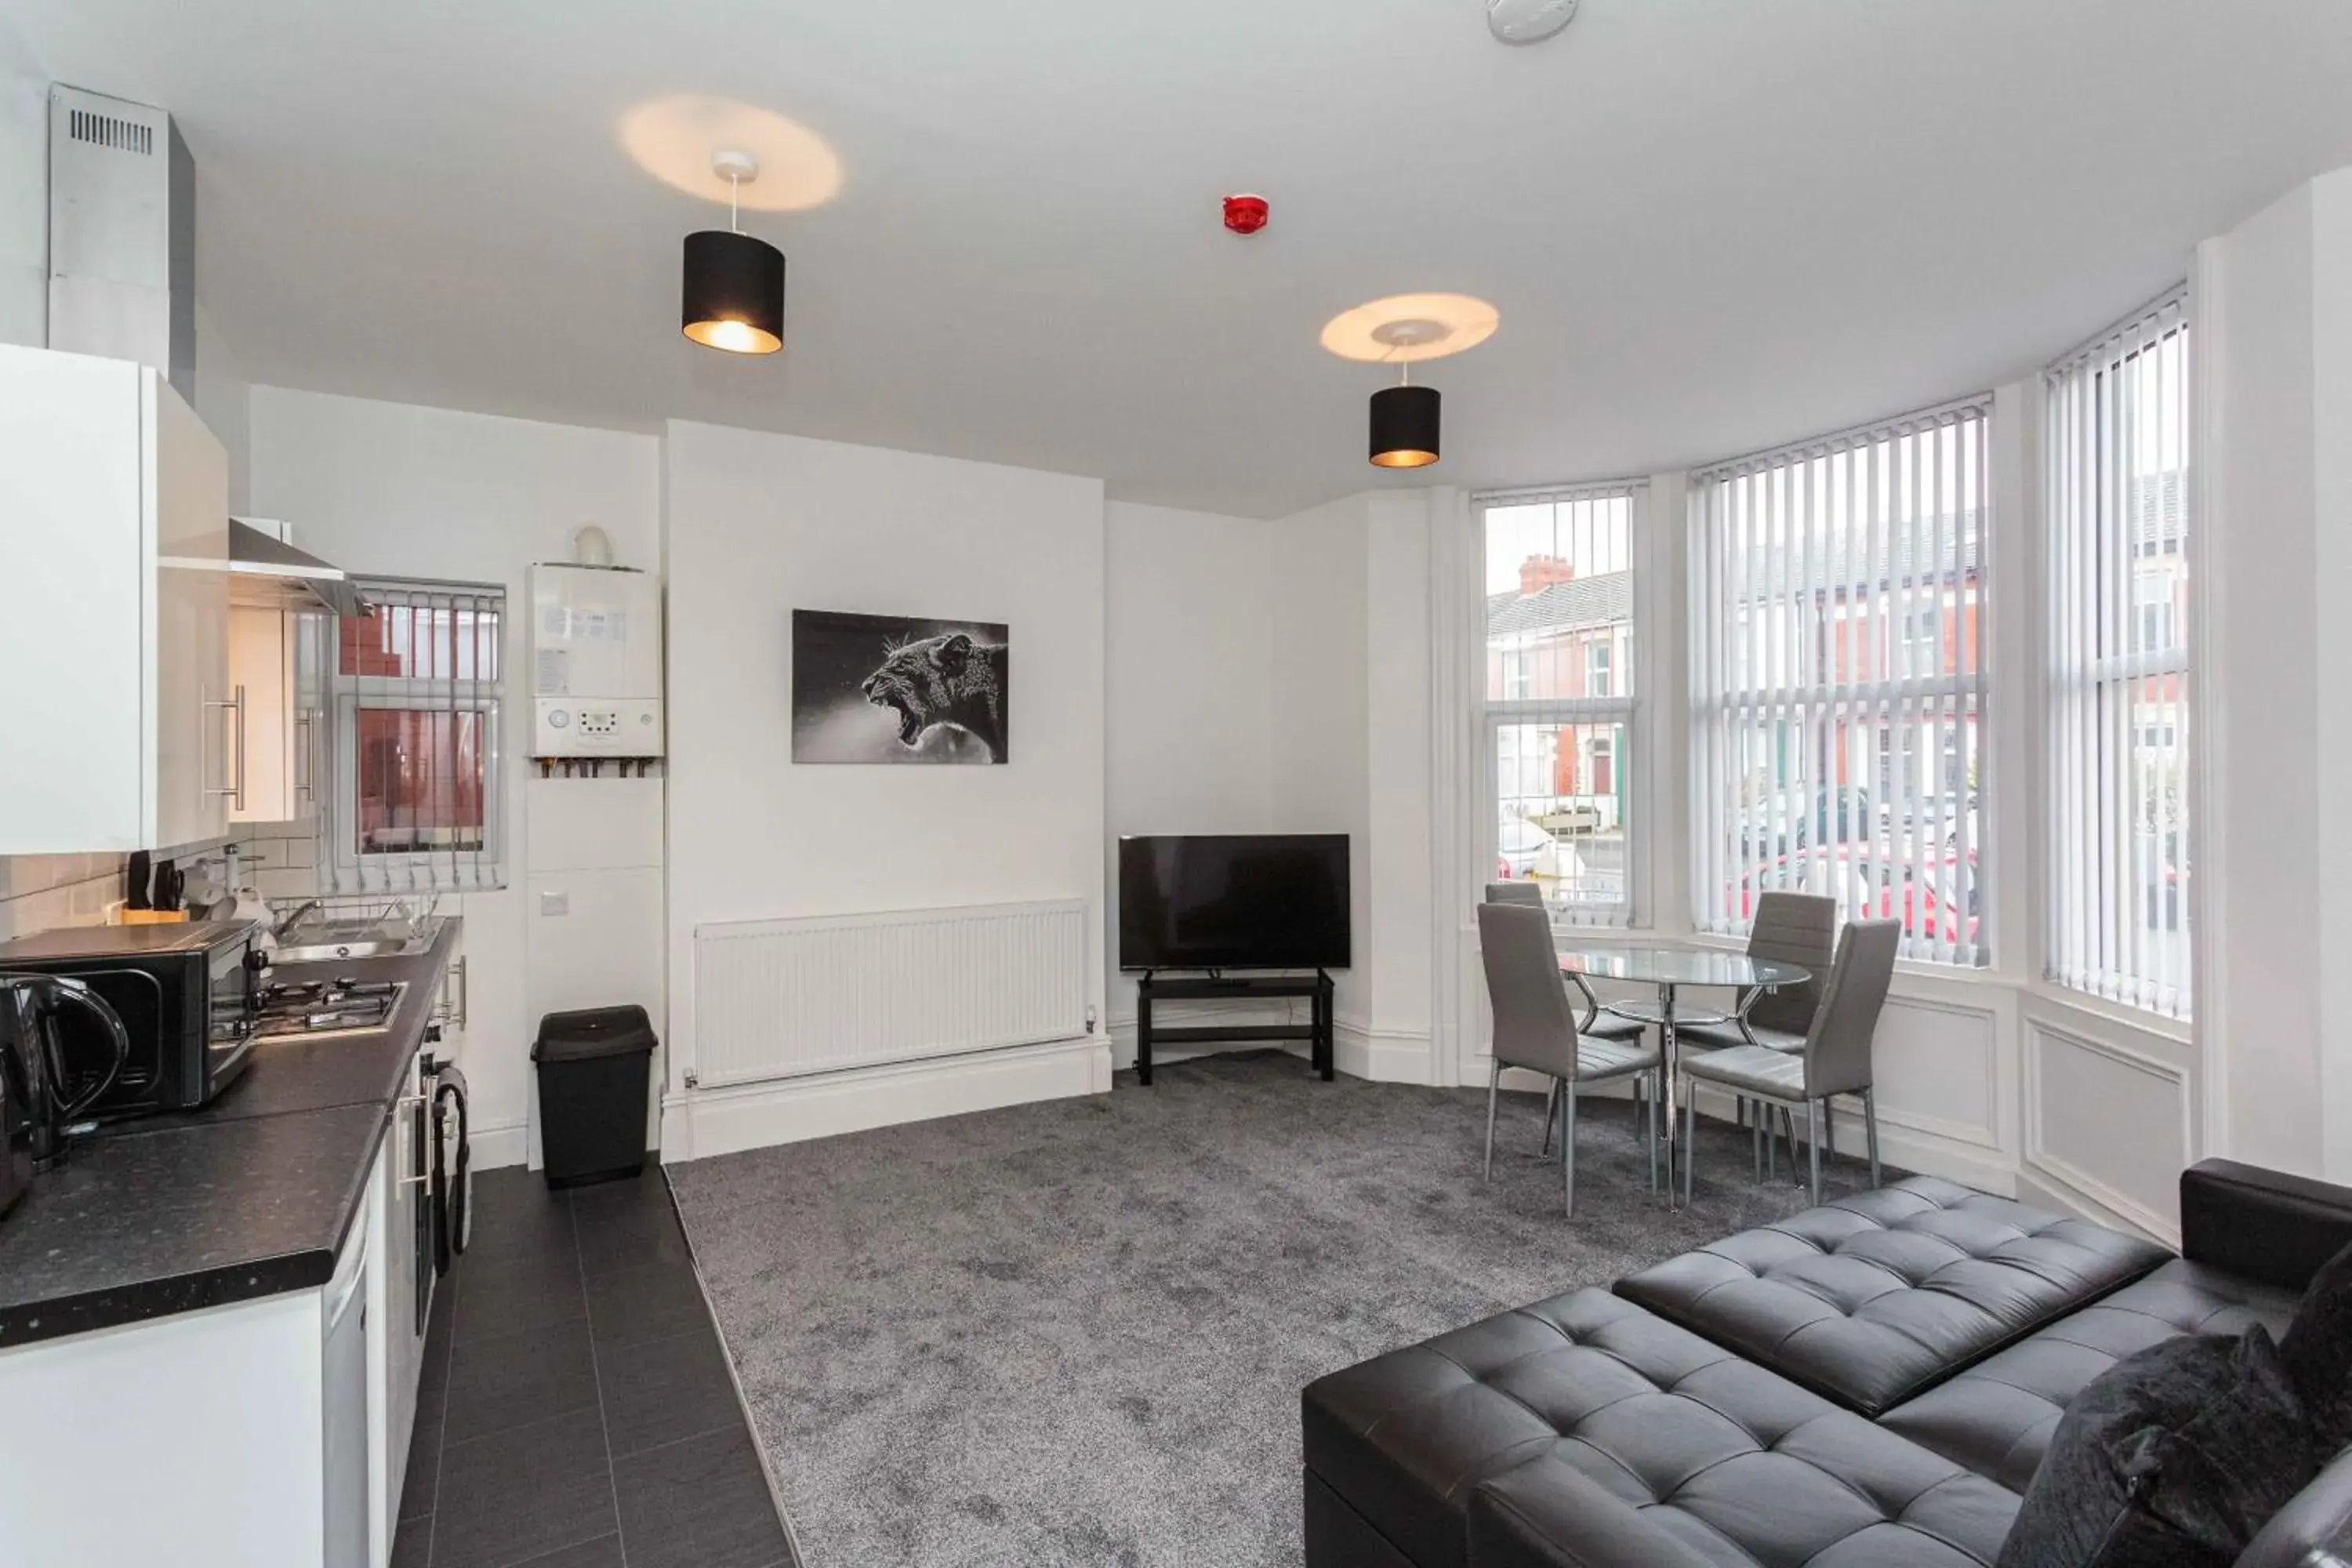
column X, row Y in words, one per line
column 348, row 871
column 1620, row 707
column 1767, row 545
column 2109, row 922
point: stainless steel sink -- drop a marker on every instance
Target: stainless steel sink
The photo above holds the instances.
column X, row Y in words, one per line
column 377, row 948
column 329, row 939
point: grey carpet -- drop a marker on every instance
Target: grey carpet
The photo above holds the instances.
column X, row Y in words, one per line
column 1074, row 1332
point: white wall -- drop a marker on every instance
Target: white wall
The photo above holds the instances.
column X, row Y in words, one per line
column 1399, row 928
column 390, row 489
column 23, row 192
column 759, row 525
column 1191, row 613
column 2275, row 311
column 1321, row 711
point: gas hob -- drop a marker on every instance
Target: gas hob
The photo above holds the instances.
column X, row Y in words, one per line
column 315, row 1007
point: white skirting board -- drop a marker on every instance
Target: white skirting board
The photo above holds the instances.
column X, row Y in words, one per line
column 703, row 1123
column 491, row 1147
column 1380, row 1055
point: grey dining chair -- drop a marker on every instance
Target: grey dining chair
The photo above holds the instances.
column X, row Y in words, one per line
column 1790, row 928
column 1597, row 1023
column 1835, row 1057
column 1534, row 1027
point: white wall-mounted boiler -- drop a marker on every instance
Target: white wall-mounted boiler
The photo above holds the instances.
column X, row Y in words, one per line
column 596, row 662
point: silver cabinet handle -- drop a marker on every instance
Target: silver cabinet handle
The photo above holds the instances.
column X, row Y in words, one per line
column 236, row 792
column 304, row 768
column 464, row 991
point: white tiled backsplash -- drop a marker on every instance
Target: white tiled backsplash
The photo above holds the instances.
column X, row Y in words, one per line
column 41, row 892
column 38, row 892
column 280, row 860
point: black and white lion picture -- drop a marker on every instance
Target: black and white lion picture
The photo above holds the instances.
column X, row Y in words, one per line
column 871, row 688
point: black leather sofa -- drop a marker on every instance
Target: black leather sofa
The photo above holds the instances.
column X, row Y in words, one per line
column 1869, row 1383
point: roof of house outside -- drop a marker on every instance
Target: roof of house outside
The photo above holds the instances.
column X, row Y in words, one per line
column 1578, row 604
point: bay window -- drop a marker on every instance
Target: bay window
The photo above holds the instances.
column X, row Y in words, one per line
column 1839, row 698
column 1561, row 706
column 2117, row 558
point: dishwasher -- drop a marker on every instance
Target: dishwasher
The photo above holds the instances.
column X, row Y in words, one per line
column 343, row 1325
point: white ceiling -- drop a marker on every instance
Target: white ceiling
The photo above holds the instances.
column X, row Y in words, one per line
column 1710, row 225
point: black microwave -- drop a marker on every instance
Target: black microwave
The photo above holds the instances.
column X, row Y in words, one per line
column 189, row 996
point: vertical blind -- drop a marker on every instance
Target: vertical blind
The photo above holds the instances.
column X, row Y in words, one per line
column 1838, row 698
column 1560, row 711
column 418, row 678
column 2118, row 564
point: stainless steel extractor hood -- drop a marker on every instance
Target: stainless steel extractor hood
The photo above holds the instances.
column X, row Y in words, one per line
column 123, row 234
column 268, row 573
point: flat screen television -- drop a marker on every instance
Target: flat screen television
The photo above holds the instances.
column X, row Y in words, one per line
column 1260, row 901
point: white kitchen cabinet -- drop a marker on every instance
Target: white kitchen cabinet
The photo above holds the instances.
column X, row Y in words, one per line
column 274, row 661
column 216, row 1438
column 114, row 563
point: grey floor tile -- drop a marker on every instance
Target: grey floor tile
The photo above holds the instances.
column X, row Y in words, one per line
column 411, row 1543
column 424, row 1469
column 657, row 1390
column 513, row 1380
column 701, row 1503
column 649, row 1301
column 514, row 1212
column 605, row 1551
column 627, row 1229
column 507, row 1292
column 523, row 1493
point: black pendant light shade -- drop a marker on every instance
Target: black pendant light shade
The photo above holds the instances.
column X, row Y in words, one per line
column 734, row 293
column 1404, row 426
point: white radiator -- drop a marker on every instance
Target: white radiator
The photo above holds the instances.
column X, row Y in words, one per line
column 784, row 998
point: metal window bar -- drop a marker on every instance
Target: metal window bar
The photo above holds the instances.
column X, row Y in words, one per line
column 2116, row 499
column 430, row 653
column 1838, row 694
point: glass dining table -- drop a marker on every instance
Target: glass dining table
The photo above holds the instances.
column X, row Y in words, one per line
column 1668, row 969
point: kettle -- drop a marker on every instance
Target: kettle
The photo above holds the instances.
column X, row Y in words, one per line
column 35, row 1107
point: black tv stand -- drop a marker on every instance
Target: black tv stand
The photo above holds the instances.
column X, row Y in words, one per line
column 1155, row 987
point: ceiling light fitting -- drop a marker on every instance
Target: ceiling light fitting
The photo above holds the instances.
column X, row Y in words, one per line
column 1405, row 424
column 1529, row 21
column 733, row 295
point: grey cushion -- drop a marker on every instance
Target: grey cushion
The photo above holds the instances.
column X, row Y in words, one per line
column 1998, row 1417
column 1599, row 1059
column 2173, row 1457
column 1756, row 1069
column 1724, row 1037
column 1689, row 1453
column 2318, row 1351
column 1878, row 1296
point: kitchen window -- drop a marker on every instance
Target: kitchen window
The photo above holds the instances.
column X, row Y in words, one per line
column 418, row 686
column 1838, row 690
column 2117, row 562
column 1560, row 705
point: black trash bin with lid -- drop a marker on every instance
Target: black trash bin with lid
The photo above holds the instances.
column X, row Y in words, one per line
column 594, row 1068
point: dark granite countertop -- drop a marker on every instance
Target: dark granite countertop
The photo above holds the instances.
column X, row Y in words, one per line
column 250, row 1196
